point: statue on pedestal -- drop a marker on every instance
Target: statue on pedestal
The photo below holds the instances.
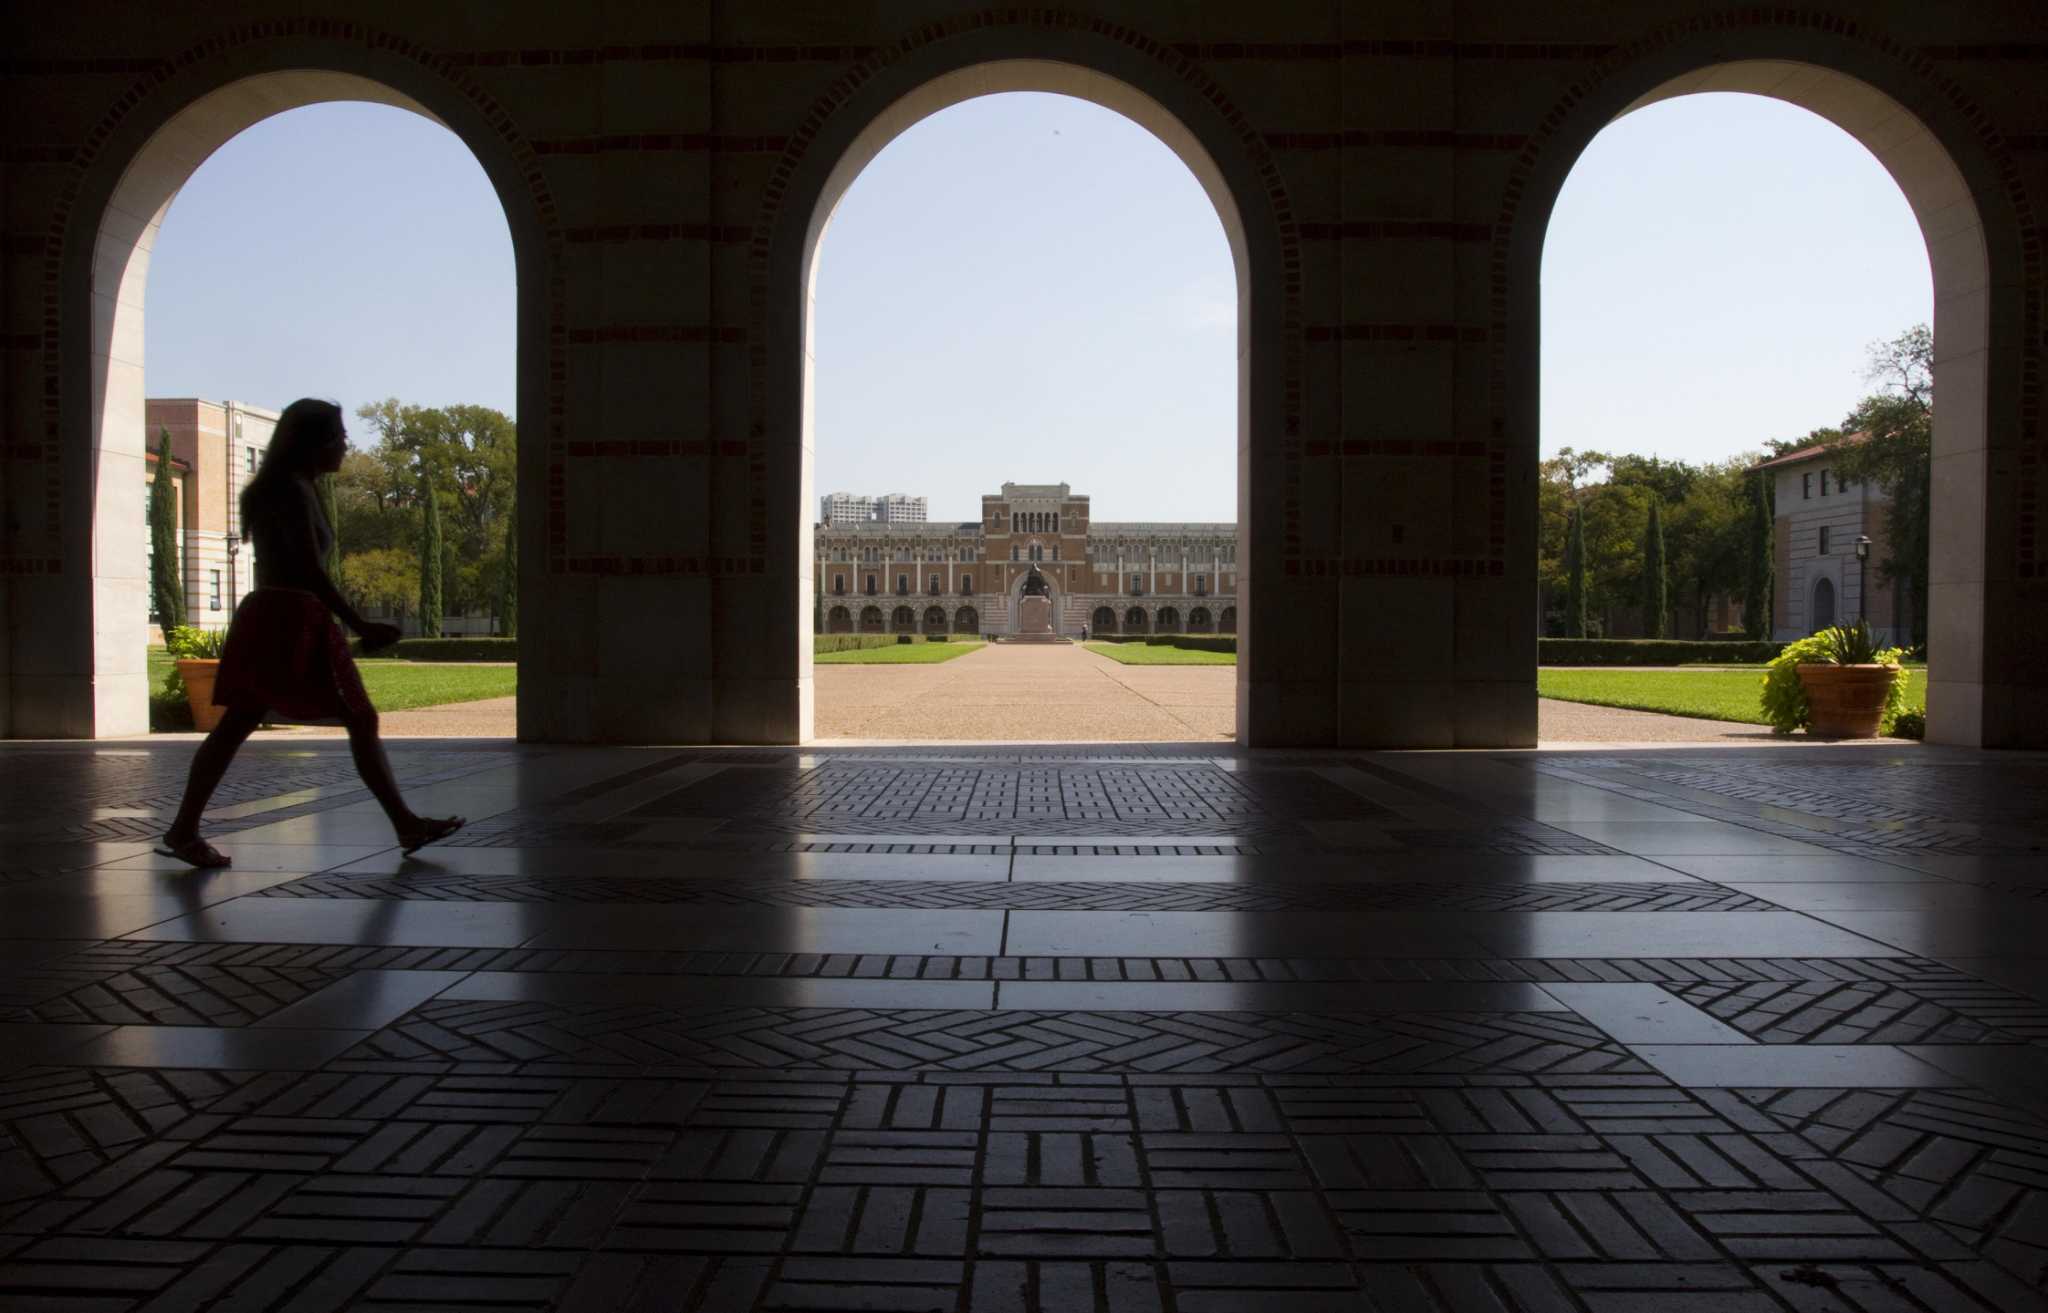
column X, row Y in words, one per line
column 1035, row 584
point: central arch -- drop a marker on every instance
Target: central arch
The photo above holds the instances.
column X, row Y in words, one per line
column 1127, row 77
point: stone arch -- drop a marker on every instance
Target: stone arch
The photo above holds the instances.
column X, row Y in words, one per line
column 126, row 174
column 1200, row 621
column 1136, row 622
column 1958, row 177
column 1227, row 622
column 964, row 56
column 935, row 620
column 871, row 620
column 903, row 620
column 1103, row 621
column 967, row 620
column 1167, row 621
column 839, row 620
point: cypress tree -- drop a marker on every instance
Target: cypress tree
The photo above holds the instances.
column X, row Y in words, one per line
column 508, row 580
column 1656, row 587
column 332, row 510
column 1575, row 585
column 1756, row 591
column 166, row 588
column 430, row 560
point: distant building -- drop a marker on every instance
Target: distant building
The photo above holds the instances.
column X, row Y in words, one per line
column 215, row 447
column 880, row 577
column 854, row 508
column 1819, row 517
column 899, row 508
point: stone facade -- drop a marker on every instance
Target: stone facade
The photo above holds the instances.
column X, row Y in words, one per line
column 1383, row 175
column 1107, row 578
column 1818, row 519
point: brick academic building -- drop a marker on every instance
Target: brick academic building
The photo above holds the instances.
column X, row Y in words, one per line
column 1109, row 578
column 1384, row 176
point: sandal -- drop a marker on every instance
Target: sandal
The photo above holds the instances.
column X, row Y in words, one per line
column 426, row 830
column 196, row 852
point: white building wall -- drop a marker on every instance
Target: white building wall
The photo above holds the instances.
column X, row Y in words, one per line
column 1844, row 513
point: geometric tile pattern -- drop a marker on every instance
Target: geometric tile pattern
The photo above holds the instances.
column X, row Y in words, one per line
column 524, row 1036
column 1869, row 1012
column 1689, row 896
column 196, row 995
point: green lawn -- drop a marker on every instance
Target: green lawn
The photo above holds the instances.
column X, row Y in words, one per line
column 1145, row 654
column 1715, row 694
column 897, row 654
column 393, row 685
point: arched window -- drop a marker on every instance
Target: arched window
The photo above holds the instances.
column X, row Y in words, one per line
column 839, row 621
column 1135, row 622
column 967, row 621
column 967, row 585
column 935, row 620
column 1199, row 621
column 1013, row 551
column 903, row 620
column 871, row 620
column 1169, row 620
column 1228, row 623
column 1103, row 621
column 1823, row 604
column 1037, row 552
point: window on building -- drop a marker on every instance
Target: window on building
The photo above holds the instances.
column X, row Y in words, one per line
column 1137, row 584
column 213, row 583
column 1055, row 551
column 967, row 583
column 1201, row 584
column 1037, row 552
column 871, row 586
column 1805, row 487
column 1013, row 551
column 1824, row 528
column 838, row 583
column 966, row 555
column 1824, row 483
column 251, row 451
column 902, row 584
column 934, row 586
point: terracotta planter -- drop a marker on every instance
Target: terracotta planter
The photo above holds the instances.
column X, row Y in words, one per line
column 1845, row 702
column 198, row 675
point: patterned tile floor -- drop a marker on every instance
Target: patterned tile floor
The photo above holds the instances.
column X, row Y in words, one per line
column 1152, row 1027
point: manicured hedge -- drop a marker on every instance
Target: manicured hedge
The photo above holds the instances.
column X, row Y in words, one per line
column 1651, row 652
column 447, row 649
column 1191, row 642
column 849, row 642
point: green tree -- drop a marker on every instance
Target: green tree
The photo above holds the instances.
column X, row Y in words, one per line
column 1656, row 590
column 431, row 565
column 381, row 580
column 1757, row 580
column 331, row 508
column 508, row 581
column 1575, row 576
column 166, row 585
column 1896, row 453
column 472, row 454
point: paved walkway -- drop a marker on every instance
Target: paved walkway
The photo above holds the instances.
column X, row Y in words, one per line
column 1030, row 1029
column 1015, row 693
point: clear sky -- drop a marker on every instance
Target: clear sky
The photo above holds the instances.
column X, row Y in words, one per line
column 1032, row 288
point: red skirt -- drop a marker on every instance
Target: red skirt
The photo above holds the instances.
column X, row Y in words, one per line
column 286, row 655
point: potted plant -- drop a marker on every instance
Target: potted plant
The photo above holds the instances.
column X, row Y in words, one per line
column 1836, row 684
column 196, row 659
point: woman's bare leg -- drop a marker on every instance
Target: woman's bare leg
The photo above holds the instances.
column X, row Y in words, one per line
column 375, row 768
column 209, row 764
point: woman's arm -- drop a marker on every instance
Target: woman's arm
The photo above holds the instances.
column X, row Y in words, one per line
column 311, row 571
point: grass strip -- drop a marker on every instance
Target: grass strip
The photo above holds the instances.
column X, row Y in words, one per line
column 1144, row 654
column 1732, row 695
column 897, row 654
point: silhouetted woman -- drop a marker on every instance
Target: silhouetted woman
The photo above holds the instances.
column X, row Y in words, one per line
column 284, row 652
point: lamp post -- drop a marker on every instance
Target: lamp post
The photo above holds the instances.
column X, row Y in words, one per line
column 1862, row 559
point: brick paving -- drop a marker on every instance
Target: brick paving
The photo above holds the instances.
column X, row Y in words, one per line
column 1113, row 1028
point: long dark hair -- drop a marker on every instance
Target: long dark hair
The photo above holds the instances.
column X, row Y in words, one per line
column 306, row 426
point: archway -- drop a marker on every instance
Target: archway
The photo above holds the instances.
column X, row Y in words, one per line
column 1103, row 621
column 839, row 621
column 1135, row 621
column 1199, row 621
column 935, row 620
column 967, row 620
column 1168, row 621
column 1823, row 611
column 1228, row 623
column 986, row 62
column 871, row 620
column 903, row 620
column 1936, row 159
column 95, row 630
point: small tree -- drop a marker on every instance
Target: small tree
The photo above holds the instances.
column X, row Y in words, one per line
column 1756, row 591
column 508, row 581
column 430, row 559
column 1656, row 587
column 330, row 508
column 1575, row 578
column 166, row 585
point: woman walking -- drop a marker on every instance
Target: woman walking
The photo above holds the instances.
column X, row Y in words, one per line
column 284, row 652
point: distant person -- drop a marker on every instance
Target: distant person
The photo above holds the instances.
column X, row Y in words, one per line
column 284, row 652
column 1084, row 633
